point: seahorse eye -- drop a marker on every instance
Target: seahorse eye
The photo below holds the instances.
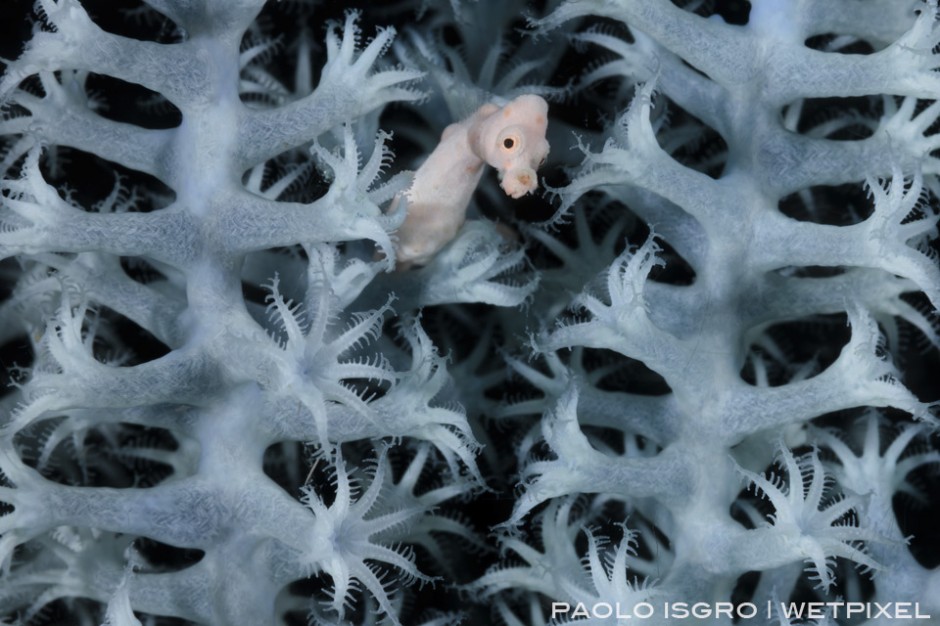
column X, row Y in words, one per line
column 510, row 140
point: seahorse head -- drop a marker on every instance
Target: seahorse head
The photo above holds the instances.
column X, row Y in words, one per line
column 512, row 139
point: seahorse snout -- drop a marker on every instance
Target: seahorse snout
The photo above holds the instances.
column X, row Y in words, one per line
column 520, row 181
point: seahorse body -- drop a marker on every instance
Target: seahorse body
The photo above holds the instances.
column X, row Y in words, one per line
column 510, row 138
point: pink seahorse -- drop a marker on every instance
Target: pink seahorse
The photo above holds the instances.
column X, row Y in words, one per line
column 510, row 138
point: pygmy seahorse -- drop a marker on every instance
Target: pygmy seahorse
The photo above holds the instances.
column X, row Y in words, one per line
column 510, row 138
